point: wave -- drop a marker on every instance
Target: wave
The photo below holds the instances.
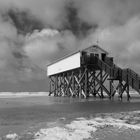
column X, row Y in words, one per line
column 83, row 128
column 21, row 94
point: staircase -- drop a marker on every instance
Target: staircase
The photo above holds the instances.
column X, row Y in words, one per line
column 116, row 73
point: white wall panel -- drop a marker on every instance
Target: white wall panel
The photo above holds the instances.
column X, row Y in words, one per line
column 65, row 64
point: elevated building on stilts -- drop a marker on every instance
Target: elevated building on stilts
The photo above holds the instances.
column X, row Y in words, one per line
column 90, row 72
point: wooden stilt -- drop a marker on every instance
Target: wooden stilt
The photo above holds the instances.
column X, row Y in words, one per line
column 110, row 89
column 101, row 79
column 86, row 84
column 127, row 88
column 127, row 91
column 94, row 84
column 56, row 88
column 50, row 86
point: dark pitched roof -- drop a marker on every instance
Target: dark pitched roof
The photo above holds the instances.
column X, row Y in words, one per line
column 80, row 50
column 97, row 47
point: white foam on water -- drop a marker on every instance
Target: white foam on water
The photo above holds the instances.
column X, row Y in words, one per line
column 109, row 121
column 13, row 136
column 22, row 94
column 81, row 128
column 77, row 130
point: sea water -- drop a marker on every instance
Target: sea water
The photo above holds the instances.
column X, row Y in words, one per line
column 50, row 118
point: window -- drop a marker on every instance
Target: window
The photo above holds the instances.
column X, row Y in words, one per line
column 97, row 55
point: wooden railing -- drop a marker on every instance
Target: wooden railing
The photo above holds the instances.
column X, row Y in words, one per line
column 109, row 61
column 117, row 73
column 114, row 71
column 133, row 79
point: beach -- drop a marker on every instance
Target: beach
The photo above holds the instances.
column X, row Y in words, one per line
column 42, row 117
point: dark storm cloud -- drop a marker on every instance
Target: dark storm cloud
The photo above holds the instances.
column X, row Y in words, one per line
column 23, row 21
column 73, row 23
column 18, row 55
column 14, row 63
column 107, row 12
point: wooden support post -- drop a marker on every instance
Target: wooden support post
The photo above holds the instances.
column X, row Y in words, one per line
column 73, row 83
column 86, row 84
column 127, row 89
column 53, row 84
column 101, row 80
column 63, row 81
column 59, row 85
column 67, row 79
column 120, row 89
column 80, row 88
column 56, row 85
column 50, row 87
column 94, row 84
column 58, row 90
column 90, row 83
column 77, row 83
column 111, row 88
column 63, row 84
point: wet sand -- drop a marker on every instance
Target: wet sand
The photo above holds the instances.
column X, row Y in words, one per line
column 21, row 115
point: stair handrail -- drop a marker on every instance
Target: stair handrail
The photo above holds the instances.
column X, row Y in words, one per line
column 130, row 71
column 111, row 68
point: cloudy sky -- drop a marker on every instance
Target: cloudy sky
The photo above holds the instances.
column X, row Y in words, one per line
column 33, row 33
